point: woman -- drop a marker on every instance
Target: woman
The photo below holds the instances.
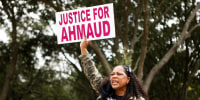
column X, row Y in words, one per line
column 122, row 84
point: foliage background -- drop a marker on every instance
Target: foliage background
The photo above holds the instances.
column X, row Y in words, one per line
column 145, row 31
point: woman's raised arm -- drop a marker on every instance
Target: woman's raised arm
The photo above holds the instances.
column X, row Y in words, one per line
column 89, row 67
column 84, row 45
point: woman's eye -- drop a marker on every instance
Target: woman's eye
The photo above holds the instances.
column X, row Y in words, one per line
column 119, row 74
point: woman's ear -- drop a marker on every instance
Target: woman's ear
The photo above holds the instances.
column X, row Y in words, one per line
column 128, row 79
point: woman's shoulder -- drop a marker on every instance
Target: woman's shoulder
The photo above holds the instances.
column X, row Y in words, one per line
column 134, row 98
column 131, row 98
column 140, row 98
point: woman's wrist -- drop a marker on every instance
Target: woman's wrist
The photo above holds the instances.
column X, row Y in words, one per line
column 83, row 51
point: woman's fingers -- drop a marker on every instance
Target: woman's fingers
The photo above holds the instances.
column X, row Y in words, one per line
column 85, row 39
column 84, row 43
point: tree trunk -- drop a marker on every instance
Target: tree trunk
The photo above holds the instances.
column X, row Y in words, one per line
column 10, row 73
column 144, row 43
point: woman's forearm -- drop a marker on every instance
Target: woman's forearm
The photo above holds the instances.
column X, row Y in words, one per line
column 91, row 71
column 83, row 51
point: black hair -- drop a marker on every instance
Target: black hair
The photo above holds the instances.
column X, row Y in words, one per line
column 134, row 87
column 105, row 88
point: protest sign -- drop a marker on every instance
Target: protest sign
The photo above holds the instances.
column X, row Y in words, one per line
column 95, row 22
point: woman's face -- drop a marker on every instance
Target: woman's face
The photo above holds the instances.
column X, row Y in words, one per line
column 118, row 78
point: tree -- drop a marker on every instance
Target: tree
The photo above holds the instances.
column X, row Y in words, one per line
column 19, row 74
column 144, row 40
column 123, row 26
column 9, row 10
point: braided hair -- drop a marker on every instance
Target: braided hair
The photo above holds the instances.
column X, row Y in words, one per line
column 134, row 87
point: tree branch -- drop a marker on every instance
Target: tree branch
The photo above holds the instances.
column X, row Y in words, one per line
column 102, row 58
column 191, row 30
column 126, row 15
column 166, row 11
column 57, row 8
column 144, row 43
column 73, row 65
column 6, row 8
column 118, row 32
column 136, row 64
column 168, row 55
column 158, row 10
column 137, row 15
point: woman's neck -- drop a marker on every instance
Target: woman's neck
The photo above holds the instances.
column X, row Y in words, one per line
column 121, row 91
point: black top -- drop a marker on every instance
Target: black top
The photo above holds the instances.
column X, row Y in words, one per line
column 117, row 97
column 108, row 93
column 113, row 97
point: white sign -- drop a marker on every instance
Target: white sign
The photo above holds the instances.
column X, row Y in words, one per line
column 95, row 22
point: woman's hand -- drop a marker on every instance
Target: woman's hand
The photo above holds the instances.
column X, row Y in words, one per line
column 84, row 45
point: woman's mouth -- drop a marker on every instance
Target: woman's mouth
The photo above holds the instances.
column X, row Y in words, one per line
column 115, row 82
